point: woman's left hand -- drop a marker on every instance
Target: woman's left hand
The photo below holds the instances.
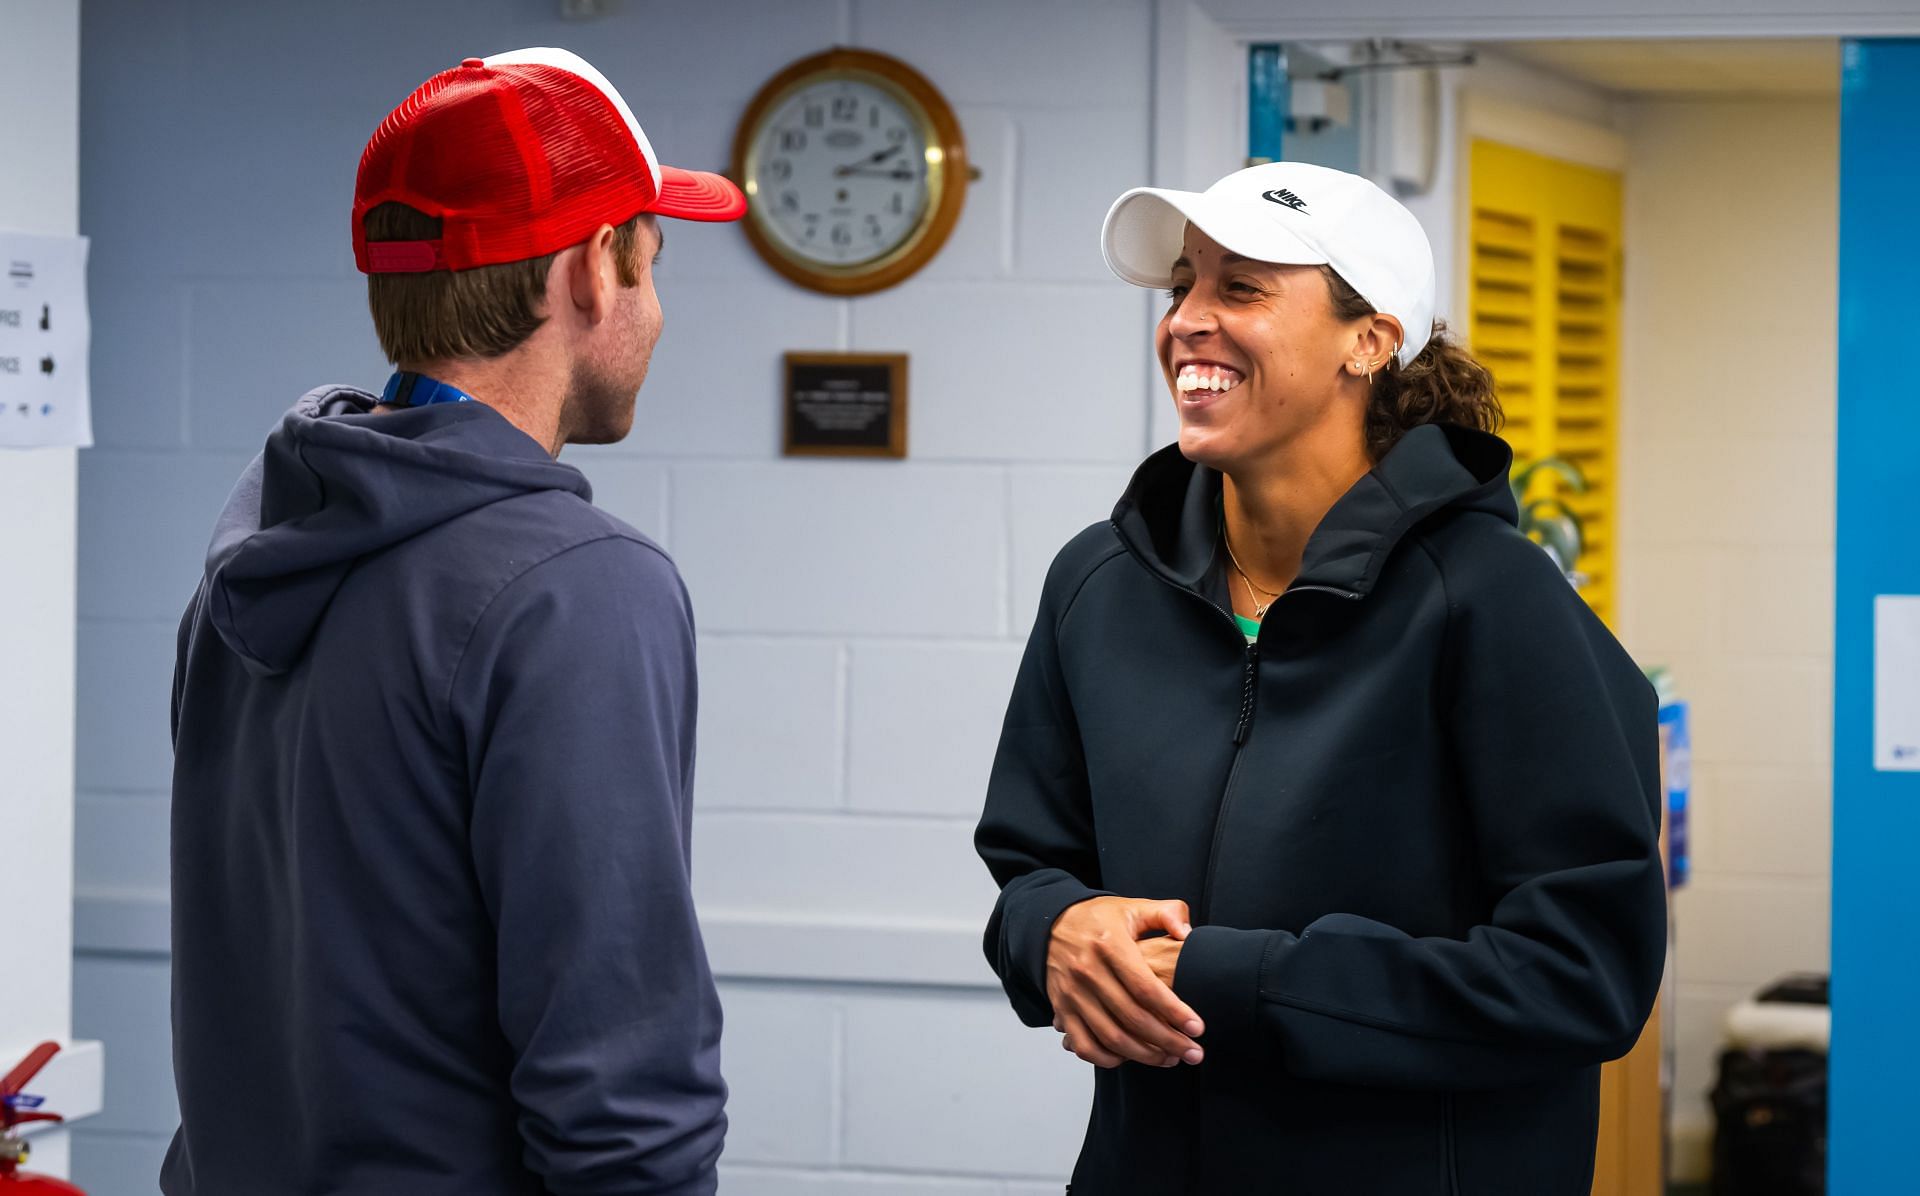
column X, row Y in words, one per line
column 1163, row 956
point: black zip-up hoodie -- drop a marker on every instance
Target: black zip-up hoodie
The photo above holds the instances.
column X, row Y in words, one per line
column 1416, row 825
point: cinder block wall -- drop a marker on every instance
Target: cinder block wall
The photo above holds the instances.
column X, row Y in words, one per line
column 1728, row 416
column 859, row 623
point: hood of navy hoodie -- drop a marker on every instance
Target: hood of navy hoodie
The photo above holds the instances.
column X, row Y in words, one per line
column 337, row 483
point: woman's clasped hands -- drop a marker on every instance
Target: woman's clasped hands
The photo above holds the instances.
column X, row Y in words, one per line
column 1111, row 984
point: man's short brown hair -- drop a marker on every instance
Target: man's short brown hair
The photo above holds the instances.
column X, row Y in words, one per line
column 482, row 312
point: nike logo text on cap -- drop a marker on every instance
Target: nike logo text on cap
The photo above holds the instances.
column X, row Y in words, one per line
column 1286, row 198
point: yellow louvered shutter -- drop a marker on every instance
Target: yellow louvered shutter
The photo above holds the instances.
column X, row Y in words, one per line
column 1544, row 316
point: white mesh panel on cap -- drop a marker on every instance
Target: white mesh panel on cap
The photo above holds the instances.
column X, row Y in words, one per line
column 567, row 60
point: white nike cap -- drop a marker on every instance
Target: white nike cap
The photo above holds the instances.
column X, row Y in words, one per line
column 1289, row 213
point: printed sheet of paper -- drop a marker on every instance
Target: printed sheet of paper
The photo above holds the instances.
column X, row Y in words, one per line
column 1896, row 682
column 44, row 335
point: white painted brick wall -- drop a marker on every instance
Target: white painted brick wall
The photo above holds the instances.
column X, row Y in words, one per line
column 122, row 725
column 145, row 520
column 848, row 867
column 772, row 724
column 980, row 247
column 841, row 549
column 634, row 490
column 783, row 1055
column 120, row 831
column 1050, row 507
column 1005, row 371
column 836, row 1089
column 950, row 1084
column 719, row 359
column 126, row 1002
column 859, row 622
column 925, row 720
column 247, row 362
column 745, row 1180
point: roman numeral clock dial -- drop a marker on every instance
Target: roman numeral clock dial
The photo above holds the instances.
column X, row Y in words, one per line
column 854, row 169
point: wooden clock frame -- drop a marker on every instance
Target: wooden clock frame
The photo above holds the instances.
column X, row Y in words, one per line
column 946, row 179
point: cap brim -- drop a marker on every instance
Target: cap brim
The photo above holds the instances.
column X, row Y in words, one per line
column 1146, row 229
column 697, row 195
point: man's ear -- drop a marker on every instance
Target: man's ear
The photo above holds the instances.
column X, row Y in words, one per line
column 592, row 276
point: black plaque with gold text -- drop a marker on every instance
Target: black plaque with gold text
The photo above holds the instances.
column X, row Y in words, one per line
column 846, row 405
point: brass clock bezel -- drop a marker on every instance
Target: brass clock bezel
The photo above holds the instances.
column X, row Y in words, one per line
column 947, row 171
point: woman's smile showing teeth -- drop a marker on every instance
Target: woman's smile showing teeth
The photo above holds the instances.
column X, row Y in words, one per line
column 1202, row 379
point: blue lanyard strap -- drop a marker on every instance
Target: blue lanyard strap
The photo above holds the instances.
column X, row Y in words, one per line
column 418, row 390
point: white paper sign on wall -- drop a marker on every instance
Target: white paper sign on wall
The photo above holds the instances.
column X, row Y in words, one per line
column 44, row 336
column 1896, row 682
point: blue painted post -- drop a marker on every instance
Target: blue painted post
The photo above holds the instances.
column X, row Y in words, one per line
column 1267, row 102
column 1876, row 814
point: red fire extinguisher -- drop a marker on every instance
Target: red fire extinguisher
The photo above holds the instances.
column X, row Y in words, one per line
column 17, row 1109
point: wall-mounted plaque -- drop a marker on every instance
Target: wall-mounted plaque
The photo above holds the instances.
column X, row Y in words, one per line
column 846, row 405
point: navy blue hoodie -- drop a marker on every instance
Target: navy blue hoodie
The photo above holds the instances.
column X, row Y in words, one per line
column 1415, row 823
column 432, row 925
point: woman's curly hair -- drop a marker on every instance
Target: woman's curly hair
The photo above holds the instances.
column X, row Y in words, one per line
column 1443, row 384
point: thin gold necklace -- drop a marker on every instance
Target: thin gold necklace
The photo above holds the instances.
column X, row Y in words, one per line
column 1259, row 607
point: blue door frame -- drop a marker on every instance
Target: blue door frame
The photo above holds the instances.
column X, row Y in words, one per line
column 1875, row 1080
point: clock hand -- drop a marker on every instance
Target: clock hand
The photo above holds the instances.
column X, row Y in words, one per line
column 852, row 167
column 902, row 175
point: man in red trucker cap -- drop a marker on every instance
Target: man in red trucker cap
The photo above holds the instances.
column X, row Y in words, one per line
column 433, row 711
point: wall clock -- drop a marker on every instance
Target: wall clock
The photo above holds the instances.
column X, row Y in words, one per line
column 854, row 168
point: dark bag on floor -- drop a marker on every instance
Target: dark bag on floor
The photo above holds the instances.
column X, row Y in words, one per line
column 1770, row 1114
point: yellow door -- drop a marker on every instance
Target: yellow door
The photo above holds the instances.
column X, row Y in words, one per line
column 1544, row 316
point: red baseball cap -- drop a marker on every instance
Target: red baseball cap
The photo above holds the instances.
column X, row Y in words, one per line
column 519, row 155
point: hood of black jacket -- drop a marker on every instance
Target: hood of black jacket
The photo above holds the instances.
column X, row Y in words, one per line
column 336, row 483
column 1169, row 515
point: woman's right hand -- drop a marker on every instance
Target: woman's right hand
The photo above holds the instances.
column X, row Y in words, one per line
column 1107, row 1001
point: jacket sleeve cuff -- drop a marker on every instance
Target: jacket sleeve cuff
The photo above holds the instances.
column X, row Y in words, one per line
column 1219, row 976
column 1029, row 933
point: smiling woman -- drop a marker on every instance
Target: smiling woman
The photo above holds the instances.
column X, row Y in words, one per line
column 1316, row 917
column 1292, row 304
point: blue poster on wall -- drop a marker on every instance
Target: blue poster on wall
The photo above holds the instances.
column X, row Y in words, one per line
column 1679, row 781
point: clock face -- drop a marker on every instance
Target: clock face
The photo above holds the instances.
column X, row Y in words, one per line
column 839, row 172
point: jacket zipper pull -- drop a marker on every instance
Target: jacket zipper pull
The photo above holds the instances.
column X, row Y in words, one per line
column 1246, row 694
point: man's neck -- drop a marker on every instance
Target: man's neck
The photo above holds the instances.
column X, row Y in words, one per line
column 1272, row 510
column 527, row 393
